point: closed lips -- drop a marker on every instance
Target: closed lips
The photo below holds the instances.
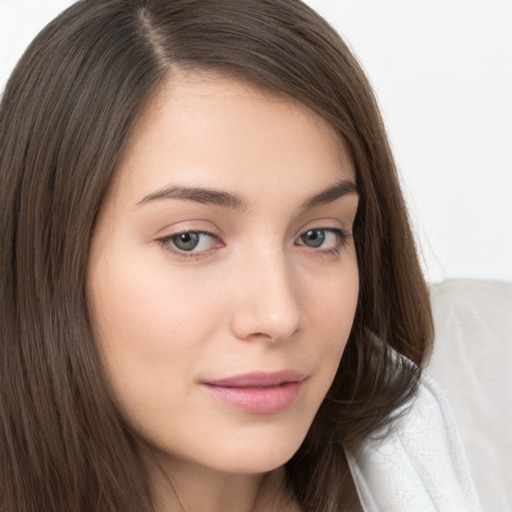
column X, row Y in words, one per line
column 258, row 393
column 259, row 379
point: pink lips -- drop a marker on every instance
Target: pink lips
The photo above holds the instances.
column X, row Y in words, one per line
column 258, row 393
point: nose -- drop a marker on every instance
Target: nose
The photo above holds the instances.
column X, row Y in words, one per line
column 267, row 305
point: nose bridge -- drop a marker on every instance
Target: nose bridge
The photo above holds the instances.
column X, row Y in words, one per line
column 268, row 305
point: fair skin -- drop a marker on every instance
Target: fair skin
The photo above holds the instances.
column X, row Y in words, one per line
column 224, row 251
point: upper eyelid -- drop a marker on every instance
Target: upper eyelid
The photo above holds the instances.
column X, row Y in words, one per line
column 200, row 226
column 331, row 224
column 213, row 233
column 183, row 231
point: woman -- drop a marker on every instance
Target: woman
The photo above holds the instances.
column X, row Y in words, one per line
column 211, row 295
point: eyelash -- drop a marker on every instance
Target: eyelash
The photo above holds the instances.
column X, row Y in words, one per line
column 166, row 242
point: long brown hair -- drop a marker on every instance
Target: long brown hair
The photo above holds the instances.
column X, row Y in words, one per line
column 65, row 116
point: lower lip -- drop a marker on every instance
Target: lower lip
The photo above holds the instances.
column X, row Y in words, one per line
column 258, row 400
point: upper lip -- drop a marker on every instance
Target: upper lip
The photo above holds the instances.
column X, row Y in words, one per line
column 259, row 379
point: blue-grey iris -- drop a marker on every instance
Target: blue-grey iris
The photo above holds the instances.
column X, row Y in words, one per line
column 313, row 237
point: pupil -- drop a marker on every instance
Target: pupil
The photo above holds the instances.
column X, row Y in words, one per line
column 186, row 241
column 314, row 237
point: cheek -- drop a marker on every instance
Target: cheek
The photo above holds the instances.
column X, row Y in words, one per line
column 142, row 306
column 332, row 302
column 330, row 310
column 151, row 330
column 150, row 337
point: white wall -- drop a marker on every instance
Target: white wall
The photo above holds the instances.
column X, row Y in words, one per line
column 442, row 70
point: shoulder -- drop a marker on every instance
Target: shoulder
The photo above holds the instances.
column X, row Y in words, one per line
column 420, row 464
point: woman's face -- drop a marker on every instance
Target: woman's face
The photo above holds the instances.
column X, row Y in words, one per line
column 222, row 277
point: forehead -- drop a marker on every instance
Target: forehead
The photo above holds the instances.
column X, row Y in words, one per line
column 211, row 130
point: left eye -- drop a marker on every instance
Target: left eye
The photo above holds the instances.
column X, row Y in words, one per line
column 191, row 241
column 322, row 238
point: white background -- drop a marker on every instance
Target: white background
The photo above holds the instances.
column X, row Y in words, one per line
column 442, row 71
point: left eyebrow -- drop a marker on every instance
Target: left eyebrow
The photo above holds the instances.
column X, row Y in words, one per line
column 330, row 194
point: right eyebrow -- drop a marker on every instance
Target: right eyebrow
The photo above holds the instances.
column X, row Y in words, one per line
column 199, row 195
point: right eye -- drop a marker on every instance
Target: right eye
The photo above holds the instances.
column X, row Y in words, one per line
column 189, row 243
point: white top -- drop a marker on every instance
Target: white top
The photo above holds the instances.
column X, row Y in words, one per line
column 472, row 362
column 421, row 465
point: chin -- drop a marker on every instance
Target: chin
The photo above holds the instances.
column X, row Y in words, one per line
column 258, row 456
